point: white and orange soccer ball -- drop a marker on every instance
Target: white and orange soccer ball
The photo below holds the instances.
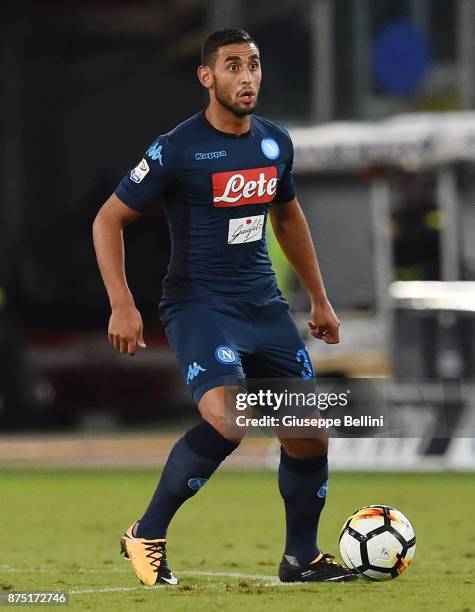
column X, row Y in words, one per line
column 378, row 542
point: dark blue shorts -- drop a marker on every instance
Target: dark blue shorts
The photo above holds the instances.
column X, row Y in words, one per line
column 217, row 340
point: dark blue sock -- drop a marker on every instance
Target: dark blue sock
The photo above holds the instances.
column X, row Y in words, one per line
column 190, row 464
column 303, row 486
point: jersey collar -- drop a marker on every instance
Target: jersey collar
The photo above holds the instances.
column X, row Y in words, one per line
column 226, row 134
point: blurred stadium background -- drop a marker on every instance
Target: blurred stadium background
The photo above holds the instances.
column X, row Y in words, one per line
column 379, row 97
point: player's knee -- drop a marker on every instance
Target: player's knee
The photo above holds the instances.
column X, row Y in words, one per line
column 207, row 442
column 305, row 448
column 217, row 408
column 227, row 431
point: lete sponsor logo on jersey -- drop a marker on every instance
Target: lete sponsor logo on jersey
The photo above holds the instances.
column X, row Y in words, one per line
column 139, row 172
column 252, row 186
column 246, row 229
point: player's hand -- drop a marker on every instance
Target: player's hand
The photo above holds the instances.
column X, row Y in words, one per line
column 126, row 329
column 324, row 324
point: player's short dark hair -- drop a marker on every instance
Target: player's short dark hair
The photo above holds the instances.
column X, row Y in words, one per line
column 221, row 38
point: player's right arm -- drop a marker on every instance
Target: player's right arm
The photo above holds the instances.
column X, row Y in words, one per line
column 137, row 191
column 125, row 324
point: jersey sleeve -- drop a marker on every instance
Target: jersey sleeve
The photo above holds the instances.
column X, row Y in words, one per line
column 145, row 183
column 286, row 187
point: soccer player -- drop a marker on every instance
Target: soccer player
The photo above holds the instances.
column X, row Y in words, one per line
column 220, row 173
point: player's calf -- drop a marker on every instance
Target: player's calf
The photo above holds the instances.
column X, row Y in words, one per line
column 303, row 485
column 191, row 463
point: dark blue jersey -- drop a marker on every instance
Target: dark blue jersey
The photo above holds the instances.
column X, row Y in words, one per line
column 217, row 189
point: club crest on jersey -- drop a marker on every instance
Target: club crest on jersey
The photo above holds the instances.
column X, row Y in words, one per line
column 225, row 354
column 139, row 172
column 270, row 148
column 239, row 187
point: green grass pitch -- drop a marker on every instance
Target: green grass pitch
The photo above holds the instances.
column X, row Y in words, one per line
column 61, row 530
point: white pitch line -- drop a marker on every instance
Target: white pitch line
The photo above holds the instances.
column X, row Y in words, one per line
column 231, row 575
column 269, row 580
column 46, row 570
column 7, row 568
column 108, row 590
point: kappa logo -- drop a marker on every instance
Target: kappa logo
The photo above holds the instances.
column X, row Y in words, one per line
column 323, row 490
column 252, row 186
column 155, row 152
column 211, row 155
column 195, row 484
column 193, row 370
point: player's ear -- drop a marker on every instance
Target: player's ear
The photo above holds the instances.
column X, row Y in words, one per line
column 205, row 76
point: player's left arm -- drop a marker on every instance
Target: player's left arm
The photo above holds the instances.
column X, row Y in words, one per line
column 293, row 234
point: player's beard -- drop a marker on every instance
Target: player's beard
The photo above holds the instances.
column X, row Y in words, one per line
column 226, row 101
